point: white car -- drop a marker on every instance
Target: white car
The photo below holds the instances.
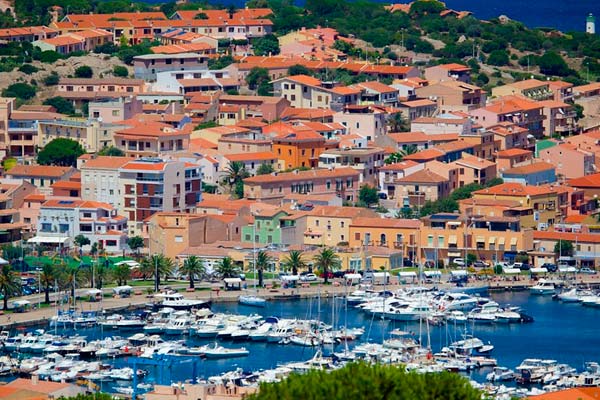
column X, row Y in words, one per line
column 308, row 278
column 459, row 261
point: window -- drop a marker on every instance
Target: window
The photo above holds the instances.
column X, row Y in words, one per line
column 383, row 239
column 356, row 235
column 178, row 239
column 115, row 113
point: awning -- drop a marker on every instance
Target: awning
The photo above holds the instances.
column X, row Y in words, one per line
column 352, row 276
column 49, row 239
column 407, row 274
column 492, row 240
column 21, row 303
column 429, row 274
column 454, row 223
column 567, row 269
column 290, row 278
column 131, row 263
column 93, row 292
column 539, row 270
column 459, row 272
column 511, row 270
column 120, row 289
column 501, row 240
column 452, row 239
column 513, row 241
column 480, row 239
column 3, row 261
column 454, row 254
column 230, row 281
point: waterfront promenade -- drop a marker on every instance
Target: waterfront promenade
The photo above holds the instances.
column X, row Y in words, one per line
column 207, row 292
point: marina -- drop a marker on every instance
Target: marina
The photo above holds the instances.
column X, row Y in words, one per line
column 495, row 340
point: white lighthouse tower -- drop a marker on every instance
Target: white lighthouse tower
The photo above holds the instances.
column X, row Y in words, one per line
column 590, row 24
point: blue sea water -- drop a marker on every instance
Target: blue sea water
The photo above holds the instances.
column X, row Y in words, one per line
column 564, row 15
column 569, row 333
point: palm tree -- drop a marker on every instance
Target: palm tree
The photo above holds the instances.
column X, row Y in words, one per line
column 235, row 173
column 226, row 268
column 263, row 259
column 294, row 261
column 326, row 260
column 399, row 155
column 121, row 273
column 47, row 279
column 70, row 279
column 192, row 266
column 157, row 263
column 10, row 283
column 397, row 123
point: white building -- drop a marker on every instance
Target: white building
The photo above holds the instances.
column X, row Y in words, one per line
column 168, row 81
column 100, row 177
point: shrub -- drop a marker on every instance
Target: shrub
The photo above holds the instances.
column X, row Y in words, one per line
column 84, row 72
column 21, row 91
column 28, row 69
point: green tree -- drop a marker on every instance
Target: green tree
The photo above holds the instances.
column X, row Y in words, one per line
column 28, row 69
column 426, row 8
column 236, row 172
column 397, row 123
column 326, row 260
column 551, row 63
column 192, row 267
column 220, row 63
column 264, row 169
column 84, row 71
column 81, row 241
column 156, row 265
column 135, row 243
column 266, row 46
column 201, row 15
column 47, row 279
column 121, row 274
column 399, row 155
column 498, row 58
column 52, row 79
column 20, row 90
column 263, row 259
column 121, row 71
column 471, row 258
column 10, row 283
column 62, row 105
column 368, row 195
column 50, row 57
column 226, row 268
column 111, row 151
column 294, row 261
column 299, row 70
column 60, row 151
column 238, row 190
column 257, row 77
column 563, row 248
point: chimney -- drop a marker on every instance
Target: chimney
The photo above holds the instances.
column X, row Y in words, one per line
column 34, row 380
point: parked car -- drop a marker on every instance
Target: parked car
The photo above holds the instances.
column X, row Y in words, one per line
column 586, row 270
column 308, row 278
column 242, row 276
column 550, row 267
column 407, row 262
column 521, row 266
column 339, row 274
column 459, row 261
column 429, row 264
column 330, row 275
column 480, row 264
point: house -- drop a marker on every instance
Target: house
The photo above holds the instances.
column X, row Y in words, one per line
column 506, row 159
column 531, row 88
column 298, row 148
column 178, row 230
column 252, row 161
column 82, row 90
column 417, row 140
column 580, row 393
column 61, row 220
column 41, row 176
column 273, row 187
column 265, row 107
column 453, row 95
column 151, row 185
column 374, row 92
column 147, row 66
column 414, row 109
column 113, row 110
column 93, row 135
column 27, row 34
column 309, row 92
column 445, row 72
column 589, row 183
column 533, row 174
column 150, row 139
column 194, row 85
column 563, row 91
column 472, row 169
column 12, row 198
column 330, row 226
column 20, row 134
column 34, row 388
column 419, row 187
column 570, row 161
column 589, row 90
column 442, row 124
column 393, row 233
column 517, row 110
column 391, row 172
column 585, row 248
column 98, row 177
column 307, row 114
column 367, row 121
column 266, row 227
column 560, row 118
column 365, row 160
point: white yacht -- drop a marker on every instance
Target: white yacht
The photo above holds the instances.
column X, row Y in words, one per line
column 223, row 352
column 500, row 374
column 543, row 287
column 178, row 302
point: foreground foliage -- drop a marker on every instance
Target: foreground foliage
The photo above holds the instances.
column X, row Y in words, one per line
column 362, row 381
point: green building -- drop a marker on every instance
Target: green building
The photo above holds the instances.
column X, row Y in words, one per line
column 267, row 228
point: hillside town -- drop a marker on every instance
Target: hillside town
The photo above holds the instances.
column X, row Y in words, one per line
column 224, row 137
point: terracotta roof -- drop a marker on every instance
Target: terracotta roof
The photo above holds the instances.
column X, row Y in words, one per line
column 513, row 153
column 299, row 136
column 304, row 80
column 424, row 155
column 39, row 170
column 574, row 237
column 511, row 104
column 106, row 162
column 257, row 156
column 302, row 175
column 474, row 162
column 418, row 103
column 529, row 168
column 528, row 84
column 422, row 176
column 514, row 189
column 145, row 166
column 396, row 223
column 377, row 87
column 454, row 67
column 588, row 181
column 340, row 212
column 66, row 185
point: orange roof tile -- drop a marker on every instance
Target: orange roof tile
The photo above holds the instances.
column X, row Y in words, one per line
column 423, row 155
column 513, row 153
column 304, row 80
column 106, row 162
column 399, row 166
column 515, row 189
column 588, row 181
column 529, row 169
column 301, row 175
column 257, row 156
column 422, row 176
column 396, row 223
column 38, row 170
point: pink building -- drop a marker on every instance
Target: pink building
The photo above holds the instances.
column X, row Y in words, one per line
column 569, row 160
column 113, row 110
column 506, row 159
column 526, row 114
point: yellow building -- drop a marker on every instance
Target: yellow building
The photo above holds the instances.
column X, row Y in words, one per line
column 391, row 233
column 330, row 225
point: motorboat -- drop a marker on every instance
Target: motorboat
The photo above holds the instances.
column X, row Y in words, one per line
column 457, row 317
column 500, row 374
column 253, row 301
column 178, row 302
column 482, row 316
column 178, row 326
column 409, row 312
column 543, row 287
column 261, row 333
column 222, row 352
column 457, row 301
column 470, row 345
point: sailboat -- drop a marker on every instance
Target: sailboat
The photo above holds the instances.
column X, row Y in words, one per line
column 249, row 299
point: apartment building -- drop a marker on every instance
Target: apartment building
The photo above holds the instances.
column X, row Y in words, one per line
column 366, row 161
column 109, row 111
column 298, row 148
column 99, row 177
column 446, row 72
column 531, row 88
column 12, row 197
column 453, row 95
column 518, row 110
column 42, row 176
column 149, row 185
column 150, row 139
column 147, row 66
column 330, row 226
column 367, row 121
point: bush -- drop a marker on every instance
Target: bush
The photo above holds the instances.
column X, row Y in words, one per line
column 120, row 71
column 50, row 57
column 21, row 91
column 60, row 151
column 28, row 69
column 498, row 58
column 52, row 79
column 552, row 63
column 61, row 104
column 84, row 72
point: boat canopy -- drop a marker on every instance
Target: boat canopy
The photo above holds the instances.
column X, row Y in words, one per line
column 459, row 272
column 407, row 274
column 122, row 289
column 429, row 274
column 513, row 271
column 230, row 281
column 539, row 270
column 352, row 276
column 94, row 292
